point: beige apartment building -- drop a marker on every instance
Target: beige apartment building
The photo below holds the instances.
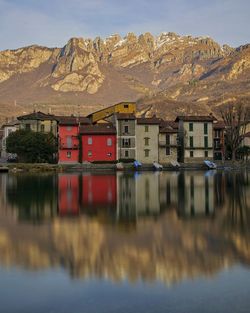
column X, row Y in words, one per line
column 147, row 134
column 168, row 144
column 195, row 135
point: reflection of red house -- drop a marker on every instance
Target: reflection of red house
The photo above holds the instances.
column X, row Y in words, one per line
column 98, row 142
column 68, row 194
column 68, row 134
column 99, row 191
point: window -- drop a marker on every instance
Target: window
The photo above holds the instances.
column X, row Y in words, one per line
column 126, row 129
column 90, row 153
column 126, row 142
column 27, row 126
column 191, row 127
column 69, row 128
column 42, row 128
column 68, row 154
column 146, row 128
column 90, row 141
column 69, row 141
column 146, row 141
column 191, row 141
column 167, row 151
column 205, row 128
column 109, row 142
column 167, row 139
column 191, row 154
column 125, row 106
column 206, row 153
column 126, row 153
column 146, row 153
column 217, row 134
column 206, row 142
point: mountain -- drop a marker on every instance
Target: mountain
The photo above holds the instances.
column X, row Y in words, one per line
column 167, row 74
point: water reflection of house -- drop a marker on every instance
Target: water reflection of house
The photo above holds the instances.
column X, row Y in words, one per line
column 168, row 190
column 68, row 194
column 195, row 194
column 98, row 192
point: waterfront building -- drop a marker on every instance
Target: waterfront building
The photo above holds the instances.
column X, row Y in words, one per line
column 68, row 138
column 98, row 142
column 147, row 134
column 195, row 137
column 126, row 137
column 39, row 122
column 219, row 140
column 122, row 107
column 168, row 142
column 7, row 129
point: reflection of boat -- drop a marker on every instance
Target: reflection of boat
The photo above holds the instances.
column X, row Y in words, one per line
column 211, row 165
column 157, row 166
column 137, row 164
column 175, row 164
column 119, row 166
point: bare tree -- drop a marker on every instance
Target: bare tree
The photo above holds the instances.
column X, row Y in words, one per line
column 235, row 118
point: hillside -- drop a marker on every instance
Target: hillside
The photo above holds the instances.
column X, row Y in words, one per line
column 168, row 73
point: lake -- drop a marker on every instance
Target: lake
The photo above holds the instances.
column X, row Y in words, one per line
column 145, row 242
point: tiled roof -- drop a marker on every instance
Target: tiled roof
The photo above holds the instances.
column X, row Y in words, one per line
column 219, row 125
column 125, row 116
column 148, row 121
column 37, row 116
column 195, row 118
column 98, row 129
column 171, row 124
column 72, row 120
column 169, row 130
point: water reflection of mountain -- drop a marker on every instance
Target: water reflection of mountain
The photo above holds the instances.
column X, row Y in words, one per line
column 168, row 241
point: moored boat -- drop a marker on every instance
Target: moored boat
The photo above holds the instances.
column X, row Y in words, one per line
column 157, row 166
column 137, row 164
column 175, row 164
column 119, row 166
column 211, row 165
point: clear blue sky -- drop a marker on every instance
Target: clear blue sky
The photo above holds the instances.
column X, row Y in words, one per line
column 53, row 22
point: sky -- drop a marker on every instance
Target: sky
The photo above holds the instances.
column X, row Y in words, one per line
column 52, row 23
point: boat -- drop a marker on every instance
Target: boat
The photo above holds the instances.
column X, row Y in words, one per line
column 175, row 164
column 119, row 166
column 157, row 166
column 137, row 164
column 211, row 165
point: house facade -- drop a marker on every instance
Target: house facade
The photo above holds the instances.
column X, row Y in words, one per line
column 126, row 137
column 98, row 142
column 39, row 122
column 7, row 129
column 195, row 136
column 219, row 140
column 168, row 147
column 147, row 134
column 68, row 139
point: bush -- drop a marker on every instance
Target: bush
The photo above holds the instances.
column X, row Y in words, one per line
column 32, row 147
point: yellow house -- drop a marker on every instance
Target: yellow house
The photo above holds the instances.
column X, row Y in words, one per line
column 122, row 107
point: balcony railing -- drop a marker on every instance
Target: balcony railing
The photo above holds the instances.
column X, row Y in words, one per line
column 69, row 146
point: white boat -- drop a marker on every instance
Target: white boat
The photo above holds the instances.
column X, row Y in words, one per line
column 119, row 166
column 157, row 166
column 211, row 165
column 175, row 164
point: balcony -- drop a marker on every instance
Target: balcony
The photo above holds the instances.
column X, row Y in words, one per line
column 164, row 144
column 64, row 145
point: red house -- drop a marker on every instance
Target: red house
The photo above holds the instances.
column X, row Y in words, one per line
column 68, row 136
column 98, row 142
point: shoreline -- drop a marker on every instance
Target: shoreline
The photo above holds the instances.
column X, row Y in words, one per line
column 88, row 167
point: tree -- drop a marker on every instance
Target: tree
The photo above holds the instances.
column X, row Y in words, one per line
column 235, row 119
column 32, row 147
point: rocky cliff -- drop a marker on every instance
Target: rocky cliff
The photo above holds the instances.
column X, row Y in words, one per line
column 165, row 69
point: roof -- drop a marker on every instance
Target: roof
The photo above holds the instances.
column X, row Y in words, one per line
column 37, row 116
column 72, row 120
column 125, row 116
column 171, row 124
column 148, row 121
column 169, row 130
column 11, row 123
column 195, row 118
column 98, row 129
column 219, row 125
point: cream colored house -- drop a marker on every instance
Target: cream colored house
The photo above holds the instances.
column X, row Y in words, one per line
column 8, row 128
column 195, row 135
column 147, row 134
column 168, row 142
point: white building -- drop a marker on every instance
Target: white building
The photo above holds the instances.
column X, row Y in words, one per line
column 7, row 129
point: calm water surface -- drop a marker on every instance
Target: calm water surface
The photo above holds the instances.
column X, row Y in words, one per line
column 147, row 242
